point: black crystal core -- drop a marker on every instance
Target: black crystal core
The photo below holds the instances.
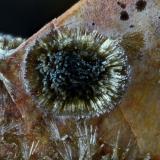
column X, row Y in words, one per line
column 70, row 73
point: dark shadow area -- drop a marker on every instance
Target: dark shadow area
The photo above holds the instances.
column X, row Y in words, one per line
column 25, row 17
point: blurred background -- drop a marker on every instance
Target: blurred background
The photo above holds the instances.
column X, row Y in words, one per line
column 25, row 17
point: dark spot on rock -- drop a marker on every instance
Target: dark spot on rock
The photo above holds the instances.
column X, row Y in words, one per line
column 93, row 24
column 140, row 5
column 131, row 26
column 122, row 5
column 124, row 16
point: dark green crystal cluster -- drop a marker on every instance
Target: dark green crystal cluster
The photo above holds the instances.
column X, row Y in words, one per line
column 76, row 72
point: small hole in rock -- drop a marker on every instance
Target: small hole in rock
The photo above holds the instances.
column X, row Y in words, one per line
column 131, row 26
column 140, row 5
column 124, row 16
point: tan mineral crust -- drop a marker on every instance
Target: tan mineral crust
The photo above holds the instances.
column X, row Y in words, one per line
column 137, row 117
